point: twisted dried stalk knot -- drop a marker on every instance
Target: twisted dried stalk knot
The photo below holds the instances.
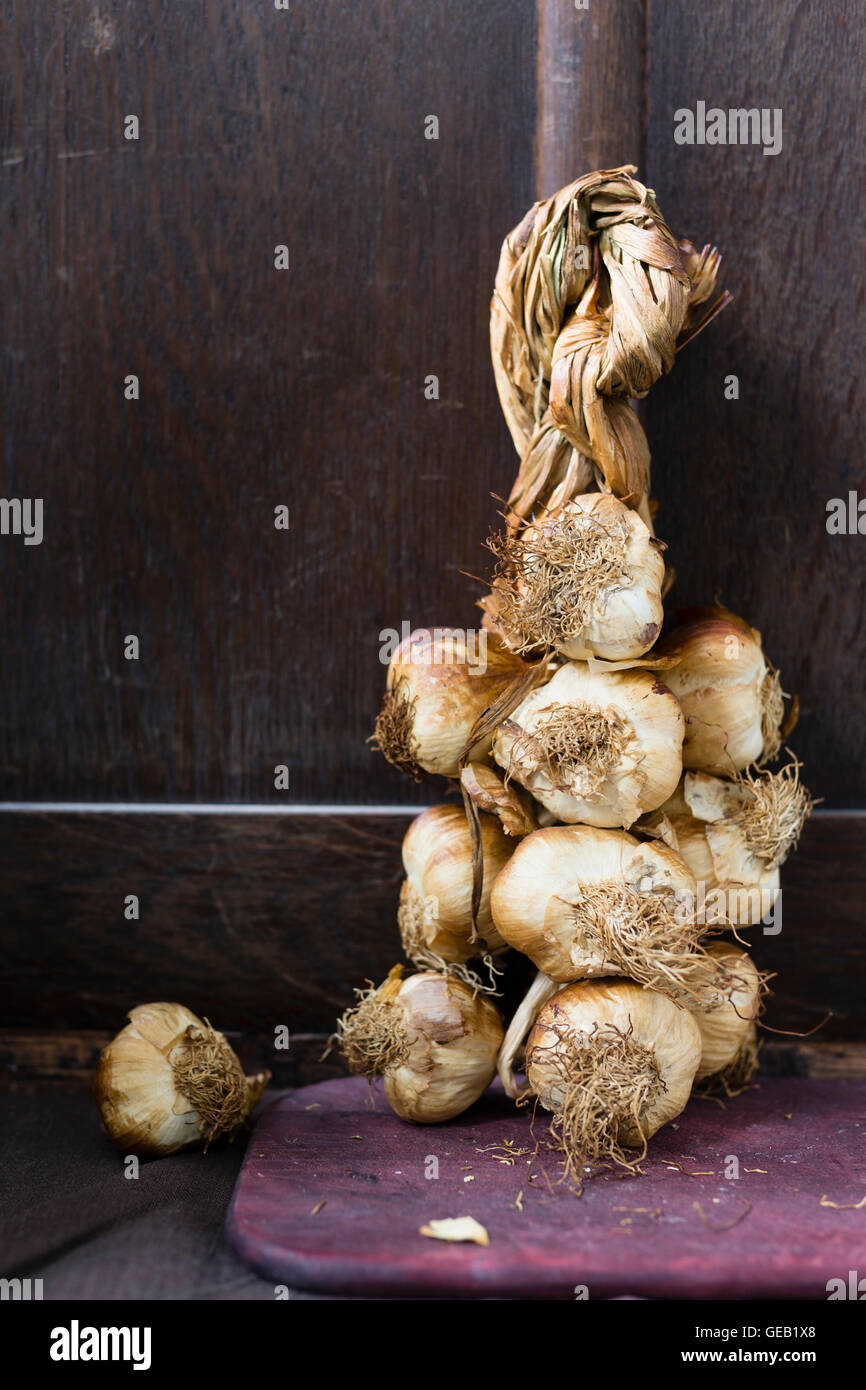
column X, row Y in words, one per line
column 592, row 293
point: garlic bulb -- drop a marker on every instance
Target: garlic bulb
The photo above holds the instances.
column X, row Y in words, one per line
column 595, row 747
column 169, row 1080
column 730, row 695
column 728, row 1036
column 585, row 579
column 435, row 913
column 734, row 836
column 613, row 1063
column 438, row 684
column 581, row 902
column 431, row 1038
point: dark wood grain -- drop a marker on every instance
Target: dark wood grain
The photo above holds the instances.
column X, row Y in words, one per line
column 590, row 88
column 306, row 387
column 261, row 647
column 263, row 920
column 367, row 1175
column 56, row 1060
column 66, row 1060
column 744, row 484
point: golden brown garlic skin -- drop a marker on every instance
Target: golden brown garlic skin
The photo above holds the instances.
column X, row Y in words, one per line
column 436, row 901
column 438, row 685
column 595, row 747
column 729, row 693
column 454, row 1036
column 138, row 1085
column 585, row 578
column 724, row 1030
column 652, row 1021
column 534, row 897
column 736, row 887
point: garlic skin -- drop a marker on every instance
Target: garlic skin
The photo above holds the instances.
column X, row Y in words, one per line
column 543, row 901
column 585, row 578
column 435, row 913
column 735, row 835
column 736, row 887
column 595, row 747
column 432, row 1039
column 730, row 695
column 512, row 806
column 724, row 1030
column 438, row 685
column 140, row 1077
column 522, row 1020
column 659, row 1051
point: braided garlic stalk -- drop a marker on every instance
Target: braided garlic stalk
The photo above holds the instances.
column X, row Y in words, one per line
column 592, row 293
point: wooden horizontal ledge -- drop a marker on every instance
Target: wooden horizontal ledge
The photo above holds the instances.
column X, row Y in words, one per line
column 262, row 920
column 67, row 1060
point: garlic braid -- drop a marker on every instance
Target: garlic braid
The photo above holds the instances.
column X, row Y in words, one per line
column 592, row 293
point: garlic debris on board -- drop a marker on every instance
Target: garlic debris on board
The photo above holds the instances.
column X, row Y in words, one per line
column 595, row 747
column 585, row 579
column 734, row 836
column 432, row 1039
column 582, row 902
column 439, row 681
column 169, row 1080
column 613, row 1063
column 435, row 913
column 729, row 1051
column 730, row 694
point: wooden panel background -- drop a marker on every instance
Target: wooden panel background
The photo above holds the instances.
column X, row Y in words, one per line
column 744, row 484
column 306, row 387
column 274, row 919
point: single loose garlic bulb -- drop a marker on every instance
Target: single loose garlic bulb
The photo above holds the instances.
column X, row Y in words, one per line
column 734, row 836
column 169, row 1081
column 581, row 902
column 728, row 1037
column 595, row 747
column 585, row 579
column 435, row 913
column 439, row 682
column 613, row 1063
column 730, row 695
column 432, row 1039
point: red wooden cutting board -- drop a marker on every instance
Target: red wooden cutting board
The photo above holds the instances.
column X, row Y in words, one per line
column 684, row 1231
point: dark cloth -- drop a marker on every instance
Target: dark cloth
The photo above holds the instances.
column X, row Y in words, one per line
column 68, row 1215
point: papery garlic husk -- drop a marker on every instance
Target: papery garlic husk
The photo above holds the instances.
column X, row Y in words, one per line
column 728, row 1035
column 439, row 681
column 595, row 747
column 435, row 913
column 585, row 579
column 582, row 902
column 730, row 694
column 735, row 835
column 523, row 1019
column 169, row 1081
column 431, row 1037
column 613, row 1063
column 513, row 807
